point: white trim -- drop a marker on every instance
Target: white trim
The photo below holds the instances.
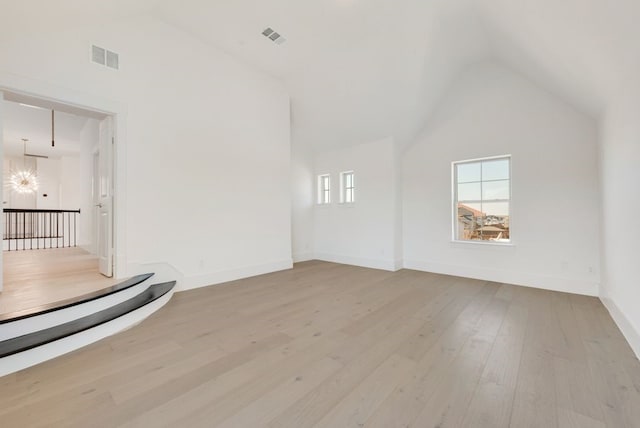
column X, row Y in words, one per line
column 493, row 243
column 488, row 158
column 343, row 187
column 526, row 279
column 454, row 194
column 321, row 190
column 302, row 257
column 38, row 89
column 384, row 264
column 623, row 323
column 197, row 281
column 162, row 272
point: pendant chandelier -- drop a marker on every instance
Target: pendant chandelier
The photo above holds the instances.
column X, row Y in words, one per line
column 24, row 181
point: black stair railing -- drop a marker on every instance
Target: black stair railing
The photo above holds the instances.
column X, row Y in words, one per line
column 29, row 229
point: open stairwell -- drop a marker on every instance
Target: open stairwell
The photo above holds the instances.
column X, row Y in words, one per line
column 38, row 334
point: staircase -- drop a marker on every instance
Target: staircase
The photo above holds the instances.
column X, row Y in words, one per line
column 38, row 334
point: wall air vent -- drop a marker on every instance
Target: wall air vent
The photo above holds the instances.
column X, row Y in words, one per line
column 105, row 57
column 273, row 36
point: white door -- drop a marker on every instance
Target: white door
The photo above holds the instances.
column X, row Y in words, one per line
column 104, row 198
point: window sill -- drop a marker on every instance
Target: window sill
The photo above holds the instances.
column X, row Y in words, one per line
column 483, row 243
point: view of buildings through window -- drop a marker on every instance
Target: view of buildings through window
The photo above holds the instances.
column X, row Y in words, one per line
column 482, row 195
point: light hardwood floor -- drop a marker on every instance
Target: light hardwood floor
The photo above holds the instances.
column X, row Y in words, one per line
column 37, row 277
column 329, row 345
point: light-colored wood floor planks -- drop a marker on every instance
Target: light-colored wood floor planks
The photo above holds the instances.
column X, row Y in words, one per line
column 37, row 277
column 329, row 345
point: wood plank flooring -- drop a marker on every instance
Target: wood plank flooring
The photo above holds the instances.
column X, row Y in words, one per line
column 39, row 277
column 330, row 345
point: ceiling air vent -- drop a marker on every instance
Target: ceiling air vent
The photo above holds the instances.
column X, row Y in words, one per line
column 273, row 36
column 105, row 57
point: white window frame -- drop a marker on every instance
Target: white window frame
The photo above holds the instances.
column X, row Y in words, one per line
column 344, row 188
column 322, row 190
column 454, row 199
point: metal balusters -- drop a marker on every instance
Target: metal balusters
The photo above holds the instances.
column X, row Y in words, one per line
column 40, row 225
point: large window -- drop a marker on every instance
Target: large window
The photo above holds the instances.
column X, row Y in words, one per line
column 347, row 187
column 482, row 196
column 324, row 189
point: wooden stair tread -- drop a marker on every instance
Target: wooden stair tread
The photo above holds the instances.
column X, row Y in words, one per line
column 42, row 337
column 51, row 307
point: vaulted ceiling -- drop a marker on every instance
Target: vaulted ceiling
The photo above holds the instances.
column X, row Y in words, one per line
column 583, row 50
column 356, row 70
column 359, row 70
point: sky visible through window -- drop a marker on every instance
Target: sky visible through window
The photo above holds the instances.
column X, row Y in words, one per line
column 483, row 198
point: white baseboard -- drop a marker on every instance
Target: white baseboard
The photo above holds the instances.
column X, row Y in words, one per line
column 163, row 272
column 566, row 285
column 384, row 264
column 89, row 248
column 166, row 272
column 623, row 323
column 191, row 282
column 302, row 257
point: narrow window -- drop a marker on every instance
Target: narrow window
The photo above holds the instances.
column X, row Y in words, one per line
column 324, row 189
column 347, row 187
column 482, row 199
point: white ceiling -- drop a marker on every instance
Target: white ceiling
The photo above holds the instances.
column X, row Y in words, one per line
column 583, row 50
column 20, row 17
column 34, row 124
column 356, row 70
column 359, row 70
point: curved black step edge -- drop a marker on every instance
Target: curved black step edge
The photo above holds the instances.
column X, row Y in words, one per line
column 42, row 337
column 51, row 307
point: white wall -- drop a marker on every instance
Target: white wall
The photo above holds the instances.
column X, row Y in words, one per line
column 76, row 184
column 75, row 192
column 362, row 233
column 398, row 207
column 302, row 202
column 207, row 144
column 620, row 166
column 70, row 180
column 555, row 222
column 49, row 177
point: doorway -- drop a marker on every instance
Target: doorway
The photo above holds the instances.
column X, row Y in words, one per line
column 59, row 242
